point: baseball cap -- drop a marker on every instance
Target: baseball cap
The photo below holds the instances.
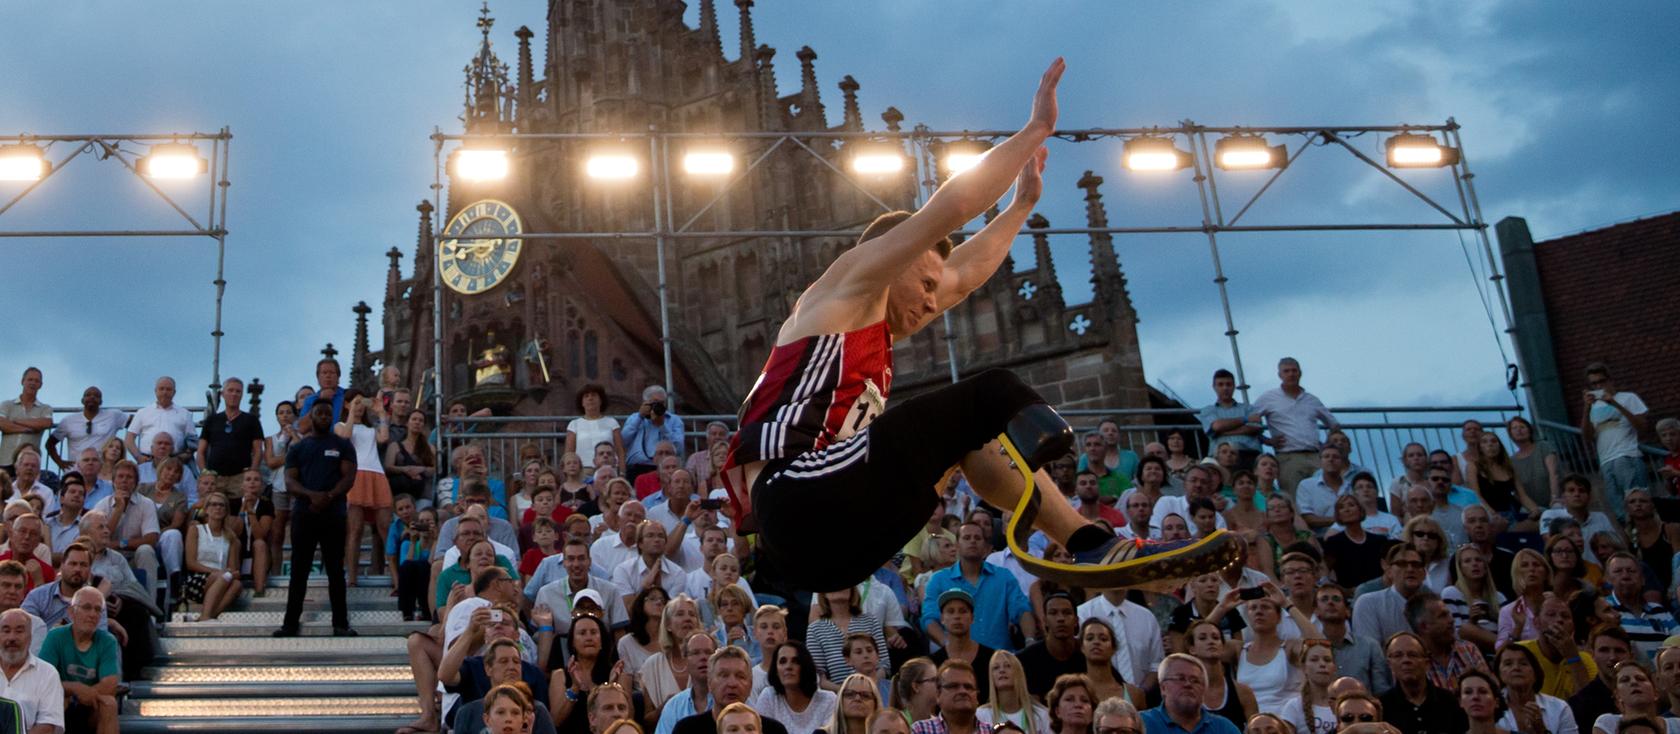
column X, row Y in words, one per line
column 590, row 594
column 951, row 595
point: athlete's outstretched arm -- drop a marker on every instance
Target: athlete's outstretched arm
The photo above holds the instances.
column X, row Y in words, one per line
column 974, row 261
column 875, row 264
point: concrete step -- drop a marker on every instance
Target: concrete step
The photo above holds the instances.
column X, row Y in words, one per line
column 305, row 650
column 318, row 622
column 368, row 597
column 273, row 714
column 260, row 681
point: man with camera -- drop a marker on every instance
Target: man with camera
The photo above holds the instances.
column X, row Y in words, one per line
column 643, row 431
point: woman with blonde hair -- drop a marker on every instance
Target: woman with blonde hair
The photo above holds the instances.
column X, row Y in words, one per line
column 1009, row 699
column 1473, row 599
column 212, row 560
column 1310, row 713
column 665, row 673
column 730, row 605
column 111, row 452
column 572, row 490
column 939, row 551
column 1426, row 535
column 859, row 700
column 1518, row 620
column 366, row 427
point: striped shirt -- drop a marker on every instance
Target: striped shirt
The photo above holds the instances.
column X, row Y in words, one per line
column 828, row 644
column 1647, row 628
column 1464, row 656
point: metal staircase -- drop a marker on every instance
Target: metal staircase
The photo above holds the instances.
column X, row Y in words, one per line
column 231, row 675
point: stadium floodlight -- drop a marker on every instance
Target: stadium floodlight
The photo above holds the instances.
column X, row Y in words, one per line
column 174, row 161
column 1247, row 153
column 708, row 161
column 1415, row 150
column 878, row 160
column 963, row 155
column 612, row 166
column 23, row 162
column 1149, row 153
column 481, row 164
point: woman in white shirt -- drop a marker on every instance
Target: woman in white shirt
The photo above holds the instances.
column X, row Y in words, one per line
column 793, row 697
column 1529, row 710
column 212, row 560
column 1009, row 700
column 366, row 426
column 585, row 433
column 1636, row 695
column 1310, row 713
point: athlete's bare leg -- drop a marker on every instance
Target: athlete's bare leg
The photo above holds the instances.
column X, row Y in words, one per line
column 998, row 482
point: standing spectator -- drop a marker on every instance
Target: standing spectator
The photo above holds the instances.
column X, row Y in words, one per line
column 327, row 373
column 1668, row 432
column 212, row 560
column 1139, row 644
column 644, row 429
column 1536, row 463
column 1379, row 615
column 279, row 444
column 89, row 429
column 232, row 440
column 162, row 416
column 1614, row 419
column 998, row 600
column 592, row 429
column 1414, row 705
column 319, row 472
column 1183, row 681
column 86, row 659
column 1494, row 477
column 365, row 427
column 1120, row 459
column 27, row 679
column 1230, row 422
column 23, row 421
column 1292, row 416
column 1358, row 657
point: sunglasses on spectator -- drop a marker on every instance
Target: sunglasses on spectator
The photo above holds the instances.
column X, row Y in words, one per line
column 1426, row 534
column 855, row 695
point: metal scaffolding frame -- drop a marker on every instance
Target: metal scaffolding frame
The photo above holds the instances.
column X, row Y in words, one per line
column 923, row 145
column 214, row 225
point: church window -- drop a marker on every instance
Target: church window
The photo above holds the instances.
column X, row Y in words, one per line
column 591, row 356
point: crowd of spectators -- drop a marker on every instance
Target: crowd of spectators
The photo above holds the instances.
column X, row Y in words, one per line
column 604, row 589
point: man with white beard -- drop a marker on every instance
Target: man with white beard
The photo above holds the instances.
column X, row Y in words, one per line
column 27, row 679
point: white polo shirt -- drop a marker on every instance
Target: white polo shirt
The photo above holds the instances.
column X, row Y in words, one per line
column 151, row 420
column 79, row 433
column 37, row 690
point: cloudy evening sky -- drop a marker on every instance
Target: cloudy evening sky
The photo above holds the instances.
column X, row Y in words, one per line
column 1568, row 114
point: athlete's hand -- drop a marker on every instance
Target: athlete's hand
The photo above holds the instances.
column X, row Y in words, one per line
column 1044, row 110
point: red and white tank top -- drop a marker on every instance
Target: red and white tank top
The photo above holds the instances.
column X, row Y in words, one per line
column 813, row 392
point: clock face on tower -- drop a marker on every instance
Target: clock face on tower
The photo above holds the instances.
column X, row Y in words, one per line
column 474, row 254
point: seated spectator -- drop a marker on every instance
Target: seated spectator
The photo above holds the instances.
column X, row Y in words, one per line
column 1358, row 657
column 129, row 603
column 65, row 525
column 1097, row 644
column 1376, row 519
column 1577, row 506
column 479, row 557
column 86, row 659
column 570, row 489
column 665, row 674
column 1530, row 710
column 1478, row 696
column 1473, row 600
column 51, row 601
column 1378, row 616
column 958, row 702
column 1225, row 696
column 728, row 714
column 1059, row 652
column 173, row 506
column 557, row 586
column 1200, row 482
column 697, row 652
column 721, row 568
column 509, row 706
column 861, row 655
column 1570, row 571
column 649, row 566
column 1426, row 535
column 593, row 667
column 212, row 560
column 619, row 544
column 29, row 680
column 651, row 486
column 495, row 631
column 730, row 626
column 1564, row 667
column 476, row 494
column 1311, row 711
column 490, row 587
column 1449, row 656
column 1317, row 494
column 1183, row 680
column 544, row 504
column 1282, row 530
column 253, row 526
column 1352, row 553
column 701, row 464
column 647, row 609
column 471, row 469
column 1610, row 648
column 162, row 451
column 795, row 699
column 1203, row 601
column 1647, row 623
column 1636, row 697
column 545, row 536
column 1494, row 477
column 27, row 479
column 24, row 545
column 840, row 614
column 1414, row 705
column 1266, row 662
column 1530, row 576
column 11, row 597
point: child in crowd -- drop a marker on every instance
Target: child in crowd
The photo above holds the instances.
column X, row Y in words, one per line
column 545, row 534
column 860, row 654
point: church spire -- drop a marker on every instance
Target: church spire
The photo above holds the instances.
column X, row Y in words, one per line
column 527, row 91
column 770, row 115
column 749, row 45
column 853, row 119
column 489, row 99
column 361, row 367
column 709, row 29
column 810, row 101
column 423, row 241
column 1107, row 281
column 1049, row 286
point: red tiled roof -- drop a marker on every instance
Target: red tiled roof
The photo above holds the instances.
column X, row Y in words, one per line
column 1613, row 296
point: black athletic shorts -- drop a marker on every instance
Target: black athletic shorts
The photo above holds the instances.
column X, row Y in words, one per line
column 828, row 518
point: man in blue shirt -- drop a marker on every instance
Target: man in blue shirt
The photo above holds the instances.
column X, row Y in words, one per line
column 319, row 471
column 1228, row 421
column 1183, row 681
column 998, row 600
column 645, row 428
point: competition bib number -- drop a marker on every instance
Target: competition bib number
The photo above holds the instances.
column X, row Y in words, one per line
column 869, row 403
